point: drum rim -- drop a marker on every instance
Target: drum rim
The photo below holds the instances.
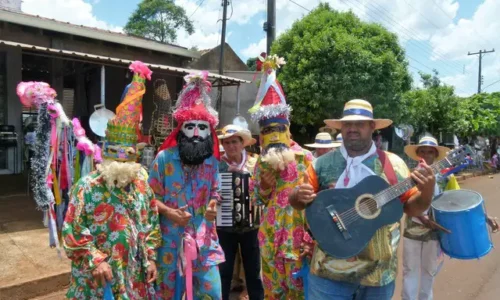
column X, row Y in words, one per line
column 461, row 210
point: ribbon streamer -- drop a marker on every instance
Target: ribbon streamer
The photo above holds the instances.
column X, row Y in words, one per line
column 304, row 274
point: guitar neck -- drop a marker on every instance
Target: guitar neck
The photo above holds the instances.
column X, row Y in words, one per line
column 400, row 188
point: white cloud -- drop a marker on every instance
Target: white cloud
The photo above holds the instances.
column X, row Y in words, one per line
column 206, row 18
column 74, row 11
column 255, row 49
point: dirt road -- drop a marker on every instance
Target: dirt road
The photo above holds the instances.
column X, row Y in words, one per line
column 471, row 279
column 458, row 279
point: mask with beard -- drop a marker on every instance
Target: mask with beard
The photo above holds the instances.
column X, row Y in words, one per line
column 118, row 174
column 275, row 141
column 194, row 150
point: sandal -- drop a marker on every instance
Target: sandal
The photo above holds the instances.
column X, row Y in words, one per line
column 493, row 224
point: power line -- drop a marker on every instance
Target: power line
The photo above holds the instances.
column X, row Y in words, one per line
column 480, row 77
column 299, row 5
column 410, row 34
column 491, row 84
column 451, row 19
column 200, row 3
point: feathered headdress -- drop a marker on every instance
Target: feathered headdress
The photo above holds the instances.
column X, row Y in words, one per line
column 123, row 130
column 270, row 104
column 194, row 103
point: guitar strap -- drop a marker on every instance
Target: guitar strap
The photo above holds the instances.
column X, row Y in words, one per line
column 388, row 169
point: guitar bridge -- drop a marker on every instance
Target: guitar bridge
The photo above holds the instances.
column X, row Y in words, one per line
column 338, row 221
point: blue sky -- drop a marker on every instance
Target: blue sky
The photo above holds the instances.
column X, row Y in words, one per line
column 437, row 34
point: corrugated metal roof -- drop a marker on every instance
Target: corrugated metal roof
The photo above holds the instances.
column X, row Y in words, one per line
column 225, row 79
column 7, row 15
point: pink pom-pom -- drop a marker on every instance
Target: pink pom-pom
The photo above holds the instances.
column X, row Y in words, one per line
column 78, row 129
column 97, row 154
column 140, row 68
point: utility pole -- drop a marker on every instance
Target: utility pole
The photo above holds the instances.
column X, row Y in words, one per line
column 221, row 59
column 479, row 77
column 270, row 25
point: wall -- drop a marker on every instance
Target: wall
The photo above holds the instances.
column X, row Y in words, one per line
column 248, row 92
column 210, row 60
column 14, row 107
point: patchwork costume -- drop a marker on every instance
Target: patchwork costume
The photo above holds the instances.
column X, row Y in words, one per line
column 178, row 184
column 282, row 230
column 112, row 223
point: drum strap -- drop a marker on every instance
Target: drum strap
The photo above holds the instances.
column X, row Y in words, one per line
column 388, row 169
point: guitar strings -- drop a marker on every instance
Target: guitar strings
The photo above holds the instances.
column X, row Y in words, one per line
column 351, row 215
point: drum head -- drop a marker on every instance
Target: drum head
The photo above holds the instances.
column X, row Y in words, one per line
column 457, row 200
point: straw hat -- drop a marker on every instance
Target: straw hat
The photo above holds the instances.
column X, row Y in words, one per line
column 358, row 110
column 235, row 130
column 324, row 140
column 429, row 141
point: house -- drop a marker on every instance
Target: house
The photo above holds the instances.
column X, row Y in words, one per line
column 234, row 67
column 86, row 66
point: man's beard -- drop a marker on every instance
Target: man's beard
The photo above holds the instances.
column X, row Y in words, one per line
column 357, row 145
column 193, row 151
column 118, row 174
column 278, row 156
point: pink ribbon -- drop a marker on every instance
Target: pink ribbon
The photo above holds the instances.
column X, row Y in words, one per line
column 189, row 254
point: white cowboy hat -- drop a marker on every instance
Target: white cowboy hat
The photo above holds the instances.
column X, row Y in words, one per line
column 324, row 140
column 358, row 110
column 428, row 141
column 235, row 130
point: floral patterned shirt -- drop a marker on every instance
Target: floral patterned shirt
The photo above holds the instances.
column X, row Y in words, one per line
column 282, row 229
column 377, row 264
column 119, row 226
column 178, row 185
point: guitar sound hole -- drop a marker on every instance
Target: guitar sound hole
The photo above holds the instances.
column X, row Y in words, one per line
column 367, row 207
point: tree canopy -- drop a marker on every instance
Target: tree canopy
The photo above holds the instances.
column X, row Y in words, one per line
column 332, row 57
column 434, row 108
column 252, row 63
column 158, row 20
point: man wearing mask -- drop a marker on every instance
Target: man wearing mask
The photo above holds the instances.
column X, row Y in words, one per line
column 111, row 229
column 185, row 180
column 280, row 168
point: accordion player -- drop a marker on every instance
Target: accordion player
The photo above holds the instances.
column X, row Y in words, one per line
column 236, row 209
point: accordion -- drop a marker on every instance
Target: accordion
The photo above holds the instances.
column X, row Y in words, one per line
column 236, row 209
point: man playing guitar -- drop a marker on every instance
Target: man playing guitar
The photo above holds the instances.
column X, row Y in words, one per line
column 371, row 274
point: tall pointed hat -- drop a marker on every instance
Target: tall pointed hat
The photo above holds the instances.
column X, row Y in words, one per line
column 123, row 131
column 270, row 103
column 194, row 103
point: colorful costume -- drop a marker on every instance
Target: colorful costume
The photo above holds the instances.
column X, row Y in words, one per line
column 111, row 215
column 56, row 161
column 282, row 230
column 180, row 177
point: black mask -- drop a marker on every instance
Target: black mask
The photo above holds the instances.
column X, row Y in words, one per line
column 193, row 151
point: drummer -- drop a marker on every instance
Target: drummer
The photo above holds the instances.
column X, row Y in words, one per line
column 422, row 255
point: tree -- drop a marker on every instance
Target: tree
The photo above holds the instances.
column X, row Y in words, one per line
column 434, row 108
column 332, row 57
column 252, row 63
column 158, row 20
column 482, row 113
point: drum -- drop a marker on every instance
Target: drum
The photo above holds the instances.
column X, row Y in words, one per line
column 464, row 214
